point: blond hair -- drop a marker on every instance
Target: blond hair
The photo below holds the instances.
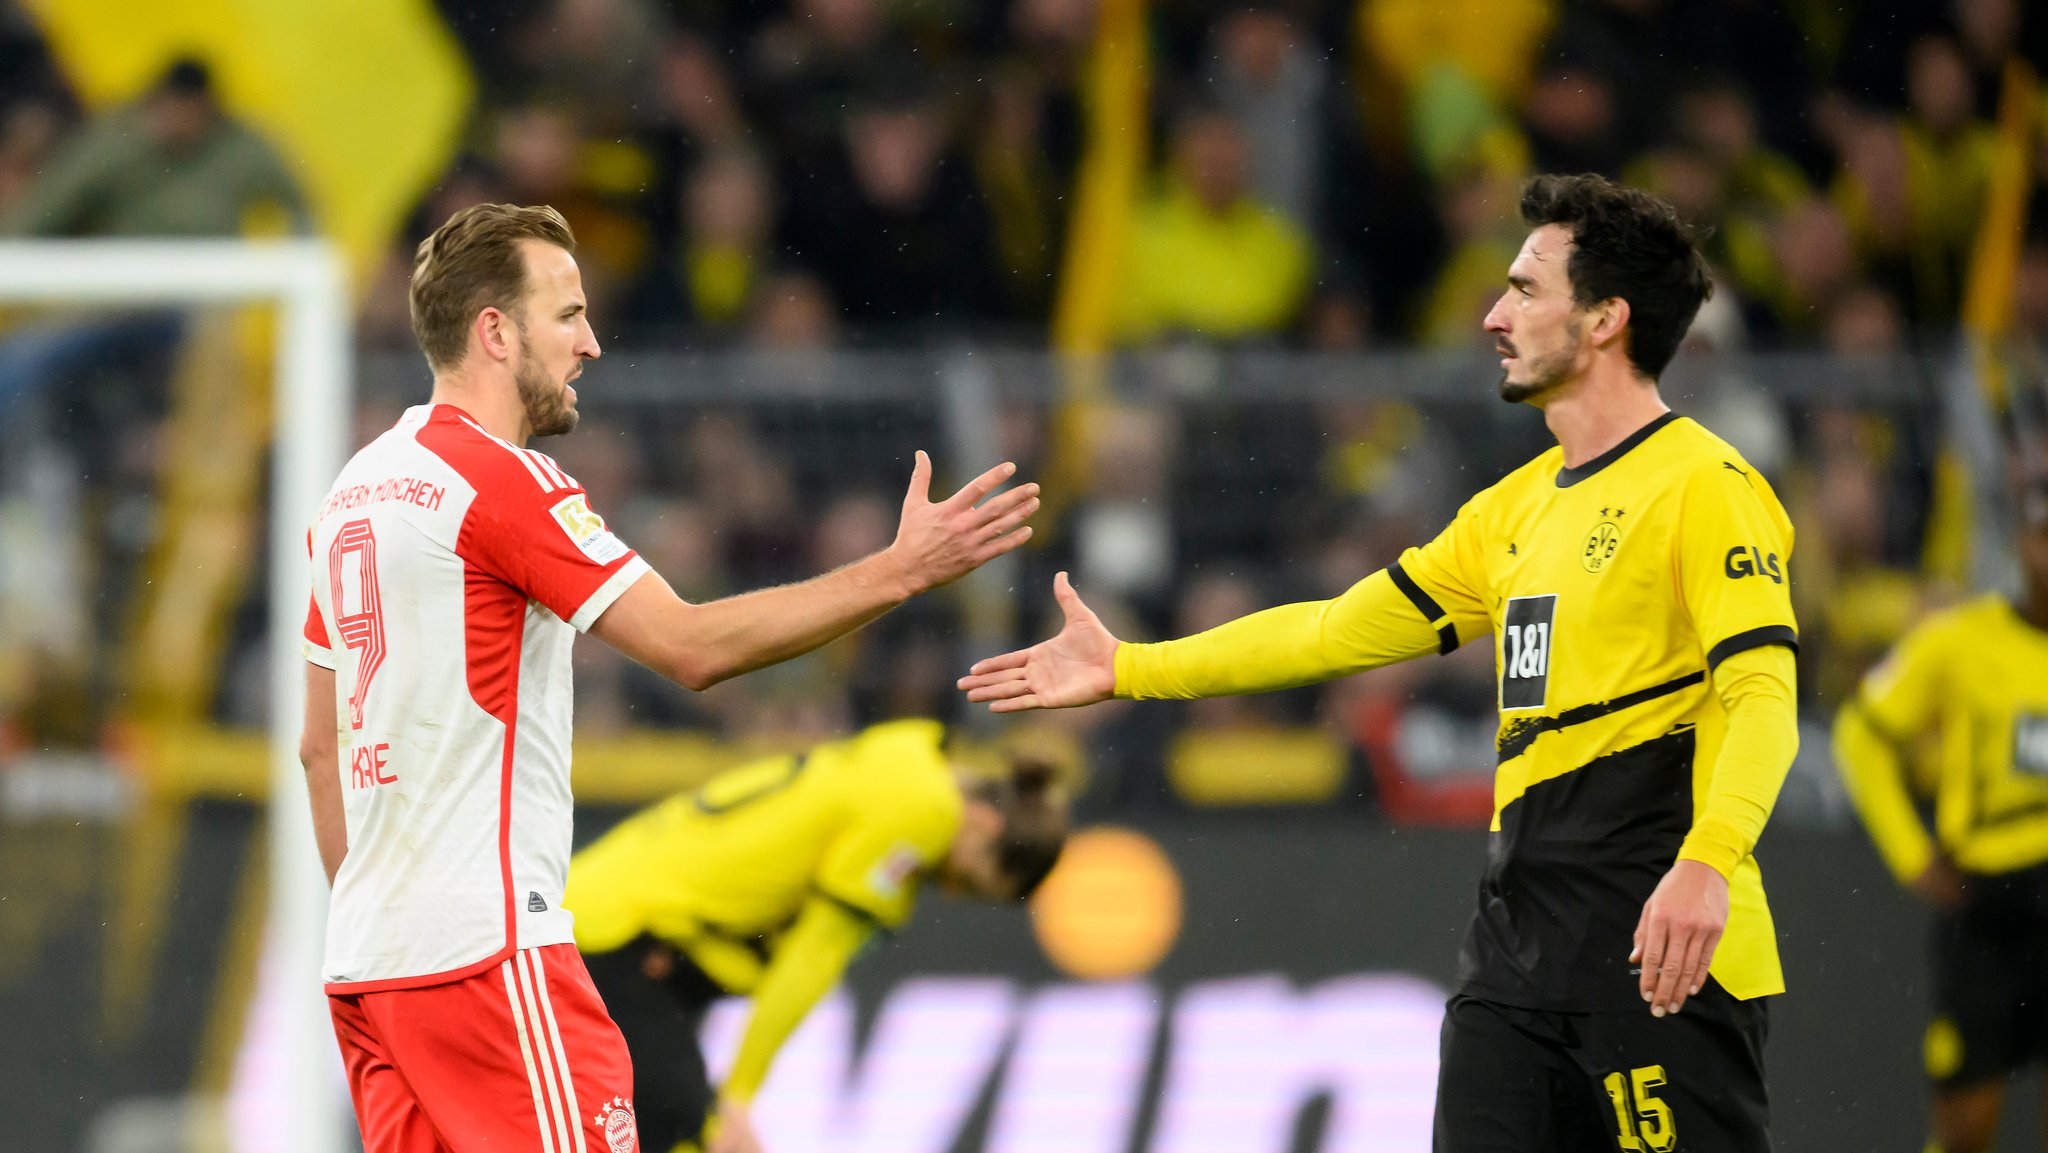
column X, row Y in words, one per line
column 471, row 263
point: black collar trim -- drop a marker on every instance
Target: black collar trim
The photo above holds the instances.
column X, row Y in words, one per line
column 1567, row 477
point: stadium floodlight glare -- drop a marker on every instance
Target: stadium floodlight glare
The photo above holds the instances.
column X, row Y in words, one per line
column 304, row 279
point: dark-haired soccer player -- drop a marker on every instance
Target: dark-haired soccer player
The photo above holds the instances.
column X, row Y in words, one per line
column 1975, row 680
column 766, row 882
column 1634, row 578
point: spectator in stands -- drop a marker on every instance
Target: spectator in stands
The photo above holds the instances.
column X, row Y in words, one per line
column 173, row 163
column 728, row 206
column 891, row 220
column 1813, row 261
column 1988, row 32
column 793, row 312
column 1478, row 214
column 696, row 112
column 1025, row 186
column 1717, row 123
column 804, row 69
column 1208, row 258
column 540, row 157
column 35, row 105
column 1914, row 188
column 1573, row 120
column 1266, row 78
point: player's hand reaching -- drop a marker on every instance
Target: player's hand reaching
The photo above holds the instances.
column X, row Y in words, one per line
column 1076, row 667
column 1940, row 884
column 731, row 1130
column 940, row 542
column 1675, row 939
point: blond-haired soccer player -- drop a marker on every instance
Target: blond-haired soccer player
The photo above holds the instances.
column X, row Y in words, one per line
column 766, row 882
column 452, row 568
column 1633, row 579
column 1970, row 686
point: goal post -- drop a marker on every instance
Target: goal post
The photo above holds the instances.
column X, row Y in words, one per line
column 306, row 282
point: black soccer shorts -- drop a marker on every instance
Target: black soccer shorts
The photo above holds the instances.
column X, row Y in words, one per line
column 660, row 1019
column 1527, row 1081
column 1990, row 995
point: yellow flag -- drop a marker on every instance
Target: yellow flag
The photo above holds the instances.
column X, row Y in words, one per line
column 365, row 99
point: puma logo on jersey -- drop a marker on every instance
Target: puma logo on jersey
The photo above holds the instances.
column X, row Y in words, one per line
column 1731, row 467
column 1748, row 560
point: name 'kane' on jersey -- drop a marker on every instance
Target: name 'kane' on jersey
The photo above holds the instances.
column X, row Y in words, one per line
column 1613, row 590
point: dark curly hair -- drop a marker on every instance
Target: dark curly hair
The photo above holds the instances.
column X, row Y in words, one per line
column 1626, row 243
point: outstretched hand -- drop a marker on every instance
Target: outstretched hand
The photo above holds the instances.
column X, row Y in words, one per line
column 940, row 542
column 1076, row 667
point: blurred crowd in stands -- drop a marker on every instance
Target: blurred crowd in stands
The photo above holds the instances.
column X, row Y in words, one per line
column 1323, row 176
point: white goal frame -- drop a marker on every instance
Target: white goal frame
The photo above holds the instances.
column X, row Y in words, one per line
column 305, row 281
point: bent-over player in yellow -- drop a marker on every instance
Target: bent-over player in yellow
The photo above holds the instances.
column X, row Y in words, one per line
column 1633, row 582
column 1969, row 689
column 767, row 882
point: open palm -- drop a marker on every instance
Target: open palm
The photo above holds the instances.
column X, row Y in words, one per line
column 1076, row 667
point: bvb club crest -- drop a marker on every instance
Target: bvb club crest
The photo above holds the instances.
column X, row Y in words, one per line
column 1600, row 546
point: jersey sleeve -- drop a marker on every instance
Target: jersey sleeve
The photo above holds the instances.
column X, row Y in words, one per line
column 1374, row 623
column 552, row 546
column 1734, row 552
column 1901, row 695
column 1446, row 579
column 1898, row 701
column 874, row 866
column 316, row 647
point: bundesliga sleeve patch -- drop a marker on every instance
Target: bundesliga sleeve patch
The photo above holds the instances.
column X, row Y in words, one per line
column 888, row 876
column 587, row 529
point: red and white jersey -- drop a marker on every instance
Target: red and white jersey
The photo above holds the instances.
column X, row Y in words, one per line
column 451, row 572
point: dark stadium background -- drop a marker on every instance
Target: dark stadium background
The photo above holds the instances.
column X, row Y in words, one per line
column 821, row 234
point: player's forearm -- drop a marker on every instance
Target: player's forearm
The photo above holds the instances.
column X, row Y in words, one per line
column 1757, row 690
column 320, row 753
column 808, row 962
column 1873, row 769
column 718, row 640
column 330, row 831
column 1370, row 625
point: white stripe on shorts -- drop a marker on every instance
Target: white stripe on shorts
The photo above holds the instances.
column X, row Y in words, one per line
column 540, row 1109
column 554, row 1033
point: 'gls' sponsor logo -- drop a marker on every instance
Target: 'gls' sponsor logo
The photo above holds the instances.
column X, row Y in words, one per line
column 1747, row 560
column 1525, row 651
column 1241, row 1057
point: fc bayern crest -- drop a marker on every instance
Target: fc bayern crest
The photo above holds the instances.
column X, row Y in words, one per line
column 621, row 1135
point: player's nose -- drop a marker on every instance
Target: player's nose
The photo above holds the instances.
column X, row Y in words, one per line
column 1496, row 317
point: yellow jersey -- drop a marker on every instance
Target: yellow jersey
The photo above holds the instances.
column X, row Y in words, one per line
column 1612, row 590
column 721, row 873
column 1970, row 685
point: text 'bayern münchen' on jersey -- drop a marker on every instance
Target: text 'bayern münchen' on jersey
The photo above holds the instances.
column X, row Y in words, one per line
column 451, row 571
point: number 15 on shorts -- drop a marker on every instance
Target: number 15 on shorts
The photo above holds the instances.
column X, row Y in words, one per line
column 1643, row 1120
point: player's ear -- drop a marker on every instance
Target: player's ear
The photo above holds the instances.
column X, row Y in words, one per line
column 494, row 332
column 1610, row 317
